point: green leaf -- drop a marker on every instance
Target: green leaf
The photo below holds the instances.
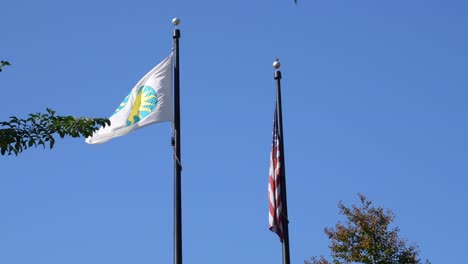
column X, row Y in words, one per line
column 38, row 129
column 52, row 142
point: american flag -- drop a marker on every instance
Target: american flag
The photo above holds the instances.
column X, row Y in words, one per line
column 274, row 186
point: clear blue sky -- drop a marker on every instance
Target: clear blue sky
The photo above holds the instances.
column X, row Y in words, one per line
column 375, row 102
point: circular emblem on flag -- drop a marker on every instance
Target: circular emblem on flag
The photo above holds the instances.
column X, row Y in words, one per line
column 145, row 103
column 122, row 104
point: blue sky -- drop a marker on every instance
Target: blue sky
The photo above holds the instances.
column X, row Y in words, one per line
column 374, row 100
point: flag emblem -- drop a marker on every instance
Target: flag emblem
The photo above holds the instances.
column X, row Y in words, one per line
column 145, row 103
column 122, row 104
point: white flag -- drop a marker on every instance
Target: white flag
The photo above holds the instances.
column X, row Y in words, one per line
column 149, row 102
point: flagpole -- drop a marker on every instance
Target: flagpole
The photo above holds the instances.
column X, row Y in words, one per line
column 277, row 76
column 177, row 156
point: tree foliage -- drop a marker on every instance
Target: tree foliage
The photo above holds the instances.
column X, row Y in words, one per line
column 366, row 237
column 3, row 64
column 39, row 129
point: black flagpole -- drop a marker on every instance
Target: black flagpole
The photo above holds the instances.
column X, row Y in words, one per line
column 285, row 222
column 177, row 156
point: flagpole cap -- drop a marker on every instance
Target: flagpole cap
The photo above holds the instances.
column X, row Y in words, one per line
column 176, row 21
column 276, row 64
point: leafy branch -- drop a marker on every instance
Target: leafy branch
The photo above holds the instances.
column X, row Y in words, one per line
column 39, row 129
column 3, row 64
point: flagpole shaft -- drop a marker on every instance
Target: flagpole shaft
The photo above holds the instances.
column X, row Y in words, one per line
column 177, row 157
column 285, row 223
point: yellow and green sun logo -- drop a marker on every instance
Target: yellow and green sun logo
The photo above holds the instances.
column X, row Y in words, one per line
column 145, row 103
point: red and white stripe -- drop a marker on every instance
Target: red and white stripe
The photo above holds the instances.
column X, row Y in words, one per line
column 274, row 186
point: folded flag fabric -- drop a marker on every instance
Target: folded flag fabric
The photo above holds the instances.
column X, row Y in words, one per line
column 149, row 102
column 275, row 216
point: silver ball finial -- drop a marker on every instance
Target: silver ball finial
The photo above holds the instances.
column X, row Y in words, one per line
column 276, row 64
column 175, row 21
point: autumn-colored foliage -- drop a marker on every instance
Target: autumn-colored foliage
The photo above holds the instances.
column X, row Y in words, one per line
column 366, row 237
